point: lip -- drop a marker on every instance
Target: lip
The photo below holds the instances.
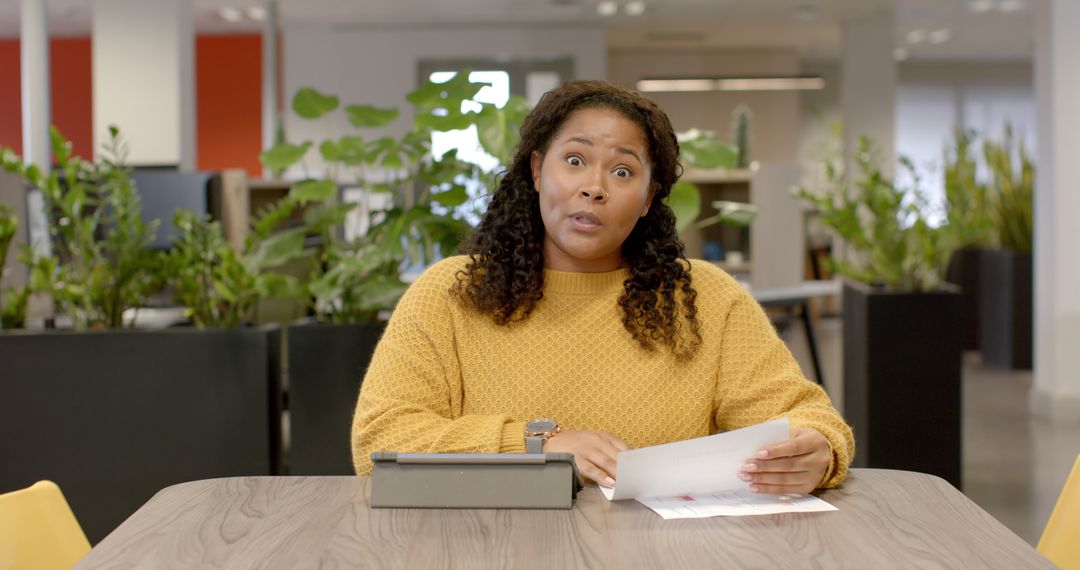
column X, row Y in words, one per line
column 585, row 220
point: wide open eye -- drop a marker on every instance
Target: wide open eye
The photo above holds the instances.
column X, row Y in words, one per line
column 575, row 160
column 623, row 172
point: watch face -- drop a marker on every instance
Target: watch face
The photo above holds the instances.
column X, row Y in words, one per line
column 541, row 425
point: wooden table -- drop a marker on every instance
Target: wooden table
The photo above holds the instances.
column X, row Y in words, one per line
column 887, row 519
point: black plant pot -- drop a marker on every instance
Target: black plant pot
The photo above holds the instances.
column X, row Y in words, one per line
column 902, row 374
column 326, row 366
column 114, row 417
column 1005, row 322
column 963, row 272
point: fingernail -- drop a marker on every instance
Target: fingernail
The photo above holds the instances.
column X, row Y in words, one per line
column 745, row 477
column 754, row 489
column 750, row 467
column 609, row 481
column 763, row 453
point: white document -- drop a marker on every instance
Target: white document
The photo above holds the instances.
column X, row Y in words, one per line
column 699, row 478
column 696, row 466
column 734, row 504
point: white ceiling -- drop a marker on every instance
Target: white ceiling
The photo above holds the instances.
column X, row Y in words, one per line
column 811, row 26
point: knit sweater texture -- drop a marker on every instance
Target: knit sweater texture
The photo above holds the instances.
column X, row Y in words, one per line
column 447, row 379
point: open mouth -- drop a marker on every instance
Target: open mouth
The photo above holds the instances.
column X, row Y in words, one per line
column 585, row 218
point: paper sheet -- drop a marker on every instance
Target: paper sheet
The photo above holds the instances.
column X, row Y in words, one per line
column 699, row 478
column 695, row 466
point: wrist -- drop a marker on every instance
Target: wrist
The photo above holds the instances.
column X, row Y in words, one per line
column 537, row 432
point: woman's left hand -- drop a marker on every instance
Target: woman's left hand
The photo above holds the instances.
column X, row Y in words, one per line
column 793, row 466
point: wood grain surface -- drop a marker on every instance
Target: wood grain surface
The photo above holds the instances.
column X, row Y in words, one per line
column 887, row 519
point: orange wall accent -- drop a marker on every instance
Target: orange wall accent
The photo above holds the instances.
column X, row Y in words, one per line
column 72, row 106
column 228, row 98
column 229, row 102
column 10, row 101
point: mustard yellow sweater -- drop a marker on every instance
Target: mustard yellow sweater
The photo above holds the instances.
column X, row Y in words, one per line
column 446, row 379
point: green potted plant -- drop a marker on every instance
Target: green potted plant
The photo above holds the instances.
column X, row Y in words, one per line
column 13, row 301
column 167, row 405
column 902, row 344
column 1005, row 268
column 357, row 280
column 967, row 212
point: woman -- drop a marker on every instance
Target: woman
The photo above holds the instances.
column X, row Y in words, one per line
column 576, row 303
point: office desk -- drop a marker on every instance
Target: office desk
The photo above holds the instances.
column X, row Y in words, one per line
column 887, row 519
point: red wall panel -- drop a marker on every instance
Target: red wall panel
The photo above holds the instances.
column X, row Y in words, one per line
column 229, row 102
column 10, row 101
column 228, row 98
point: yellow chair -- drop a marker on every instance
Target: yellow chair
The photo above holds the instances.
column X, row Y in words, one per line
column 38, row 530
column 1060, row 540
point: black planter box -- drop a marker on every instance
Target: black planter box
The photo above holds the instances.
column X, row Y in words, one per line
column 326, row 364
column 114, row 417
column 902, row 379
column 963, row 272
column 1005, row 306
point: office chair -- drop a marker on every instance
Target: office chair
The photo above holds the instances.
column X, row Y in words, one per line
column 1058, row 542
column 38, row 529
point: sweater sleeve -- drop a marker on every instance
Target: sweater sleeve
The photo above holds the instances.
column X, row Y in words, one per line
column 411, row 397
column 760, row 380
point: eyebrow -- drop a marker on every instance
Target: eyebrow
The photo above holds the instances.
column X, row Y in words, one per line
column 619, row 149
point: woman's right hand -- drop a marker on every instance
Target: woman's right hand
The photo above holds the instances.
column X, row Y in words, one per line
column 594, row 452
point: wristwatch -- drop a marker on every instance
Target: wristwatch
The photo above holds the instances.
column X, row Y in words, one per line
column 537, row 432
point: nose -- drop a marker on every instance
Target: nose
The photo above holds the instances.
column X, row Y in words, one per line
column 594, row 192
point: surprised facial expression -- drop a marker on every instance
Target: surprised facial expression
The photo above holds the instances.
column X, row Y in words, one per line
column 594, row 182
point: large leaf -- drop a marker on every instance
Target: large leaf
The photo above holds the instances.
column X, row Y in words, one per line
column 312, row 191
column 455, row 196
column 310, row 104
column 278, row 249
column 386, row 152
column 271, row 285
column 685, row 202
column 707, row 151
column 369, row 116
column 283, row 155
column 448, row 95
column 498, row 128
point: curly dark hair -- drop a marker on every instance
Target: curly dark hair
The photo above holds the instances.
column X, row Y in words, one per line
column 505, row 274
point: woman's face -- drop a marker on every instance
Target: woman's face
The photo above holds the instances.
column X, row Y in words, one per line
column 594, row 185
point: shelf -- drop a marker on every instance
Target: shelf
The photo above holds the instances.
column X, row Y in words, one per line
column 717, row 175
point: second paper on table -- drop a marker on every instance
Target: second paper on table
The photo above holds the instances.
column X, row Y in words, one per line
column 703, row 465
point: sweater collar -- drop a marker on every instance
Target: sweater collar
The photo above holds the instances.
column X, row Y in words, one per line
column 584, row 283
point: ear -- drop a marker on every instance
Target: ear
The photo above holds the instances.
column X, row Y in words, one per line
column 648, row 201
column 534, row 162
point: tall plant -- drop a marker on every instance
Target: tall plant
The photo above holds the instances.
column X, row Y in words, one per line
column 358, row 279
column 699, row 149
column 1012, row 192
column 967, row 200
column 12, row 301
column 886, row 226
column 101, row 264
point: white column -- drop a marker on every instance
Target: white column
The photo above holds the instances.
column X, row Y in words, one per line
column 34, row 54
column 270, row 66
column 868, row 85
column 144, row 78
column 1056, row 393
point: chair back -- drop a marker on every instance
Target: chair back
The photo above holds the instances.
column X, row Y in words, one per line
column 1060, row 538
column 38, row 529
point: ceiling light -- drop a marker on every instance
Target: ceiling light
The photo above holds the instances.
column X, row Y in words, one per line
column 940, row 36
column 607, row 8
column 635, row 7
column 900, row 54
column 231, row 15
column 257, row 13
column 732, row 84
column 916, row 36
column 1009, row 6
column 981, row 6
